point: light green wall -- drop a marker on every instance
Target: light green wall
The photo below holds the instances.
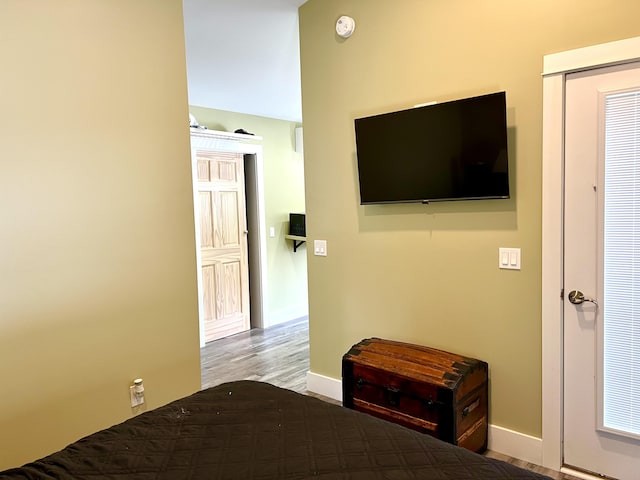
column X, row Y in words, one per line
column 97, row 250
column 428, row 274
column 284, row 194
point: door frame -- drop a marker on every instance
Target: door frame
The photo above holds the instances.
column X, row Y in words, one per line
column 556, row 68
column 254, row 194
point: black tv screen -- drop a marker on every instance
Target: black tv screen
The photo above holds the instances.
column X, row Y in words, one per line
column 454, row 150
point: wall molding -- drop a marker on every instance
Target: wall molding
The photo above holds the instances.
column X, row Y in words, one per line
column 515, row 444
column 502, row 440
column 288, row 314
column 594, row 56
column 327, row 386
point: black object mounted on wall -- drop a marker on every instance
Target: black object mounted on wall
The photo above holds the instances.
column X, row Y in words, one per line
column 446, row 151
column 297, row 224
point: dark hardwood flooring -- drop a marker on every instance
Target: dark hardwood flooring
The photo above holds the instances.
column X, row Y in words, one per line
column 280, row 355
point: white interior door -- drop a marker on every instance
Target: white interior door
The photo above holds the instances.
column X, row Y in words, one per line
column 602, row 260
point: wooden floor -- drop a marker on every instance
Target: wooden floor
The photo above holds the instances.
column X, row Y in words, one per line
column 280, row 355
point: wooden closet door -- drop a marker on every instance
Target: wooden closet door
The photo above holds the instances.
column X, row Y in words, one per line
column 223, row 243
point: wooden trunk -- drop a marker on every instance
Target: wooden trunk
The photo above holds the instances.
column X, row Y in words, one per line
column 429, row 390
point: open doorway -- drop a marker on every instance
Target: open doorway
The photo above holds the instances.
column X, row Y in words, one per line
column 277, row 344
column 219, row 162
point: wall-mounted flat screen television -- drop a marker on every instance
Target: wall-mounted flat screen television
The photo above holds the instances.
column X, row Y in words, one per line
column 453, row 150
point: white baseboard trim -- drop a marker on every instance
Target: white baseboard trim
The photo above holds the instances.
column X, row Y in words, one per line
column 508, row 442
column 327, row 386
column 578, row 474
column 285, row 315
column 515, row 444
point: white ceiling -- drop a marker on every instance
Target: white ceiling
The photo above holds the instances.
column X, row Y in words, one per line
column 244, row 56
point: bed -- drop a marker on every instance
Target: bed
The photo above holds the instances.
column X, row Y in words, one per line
column 253, row 430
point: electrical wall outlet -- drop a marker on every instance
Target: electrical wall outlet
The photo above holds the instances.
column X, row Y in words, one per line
column 136, row 392
column 136, row 399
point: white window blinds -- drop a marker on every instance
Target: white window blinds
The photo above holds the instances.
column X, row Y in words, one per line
column 621, row 347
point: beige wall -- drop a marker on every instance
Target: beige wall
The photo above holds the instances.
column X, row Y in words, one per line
column 284, row 194
column 97, row 257
column 428, row 274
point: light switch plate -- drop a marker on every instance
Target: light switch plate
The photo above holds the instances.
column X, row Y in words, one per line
column 320, row 248
column 509, row 258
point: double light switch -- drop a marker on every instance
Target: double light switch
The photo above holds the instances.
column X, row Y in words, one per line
column 509, row 258
column 320, row 248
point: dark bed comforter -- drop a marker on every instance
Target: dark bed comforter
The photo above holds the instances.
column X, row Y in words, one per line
column 252, row 430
